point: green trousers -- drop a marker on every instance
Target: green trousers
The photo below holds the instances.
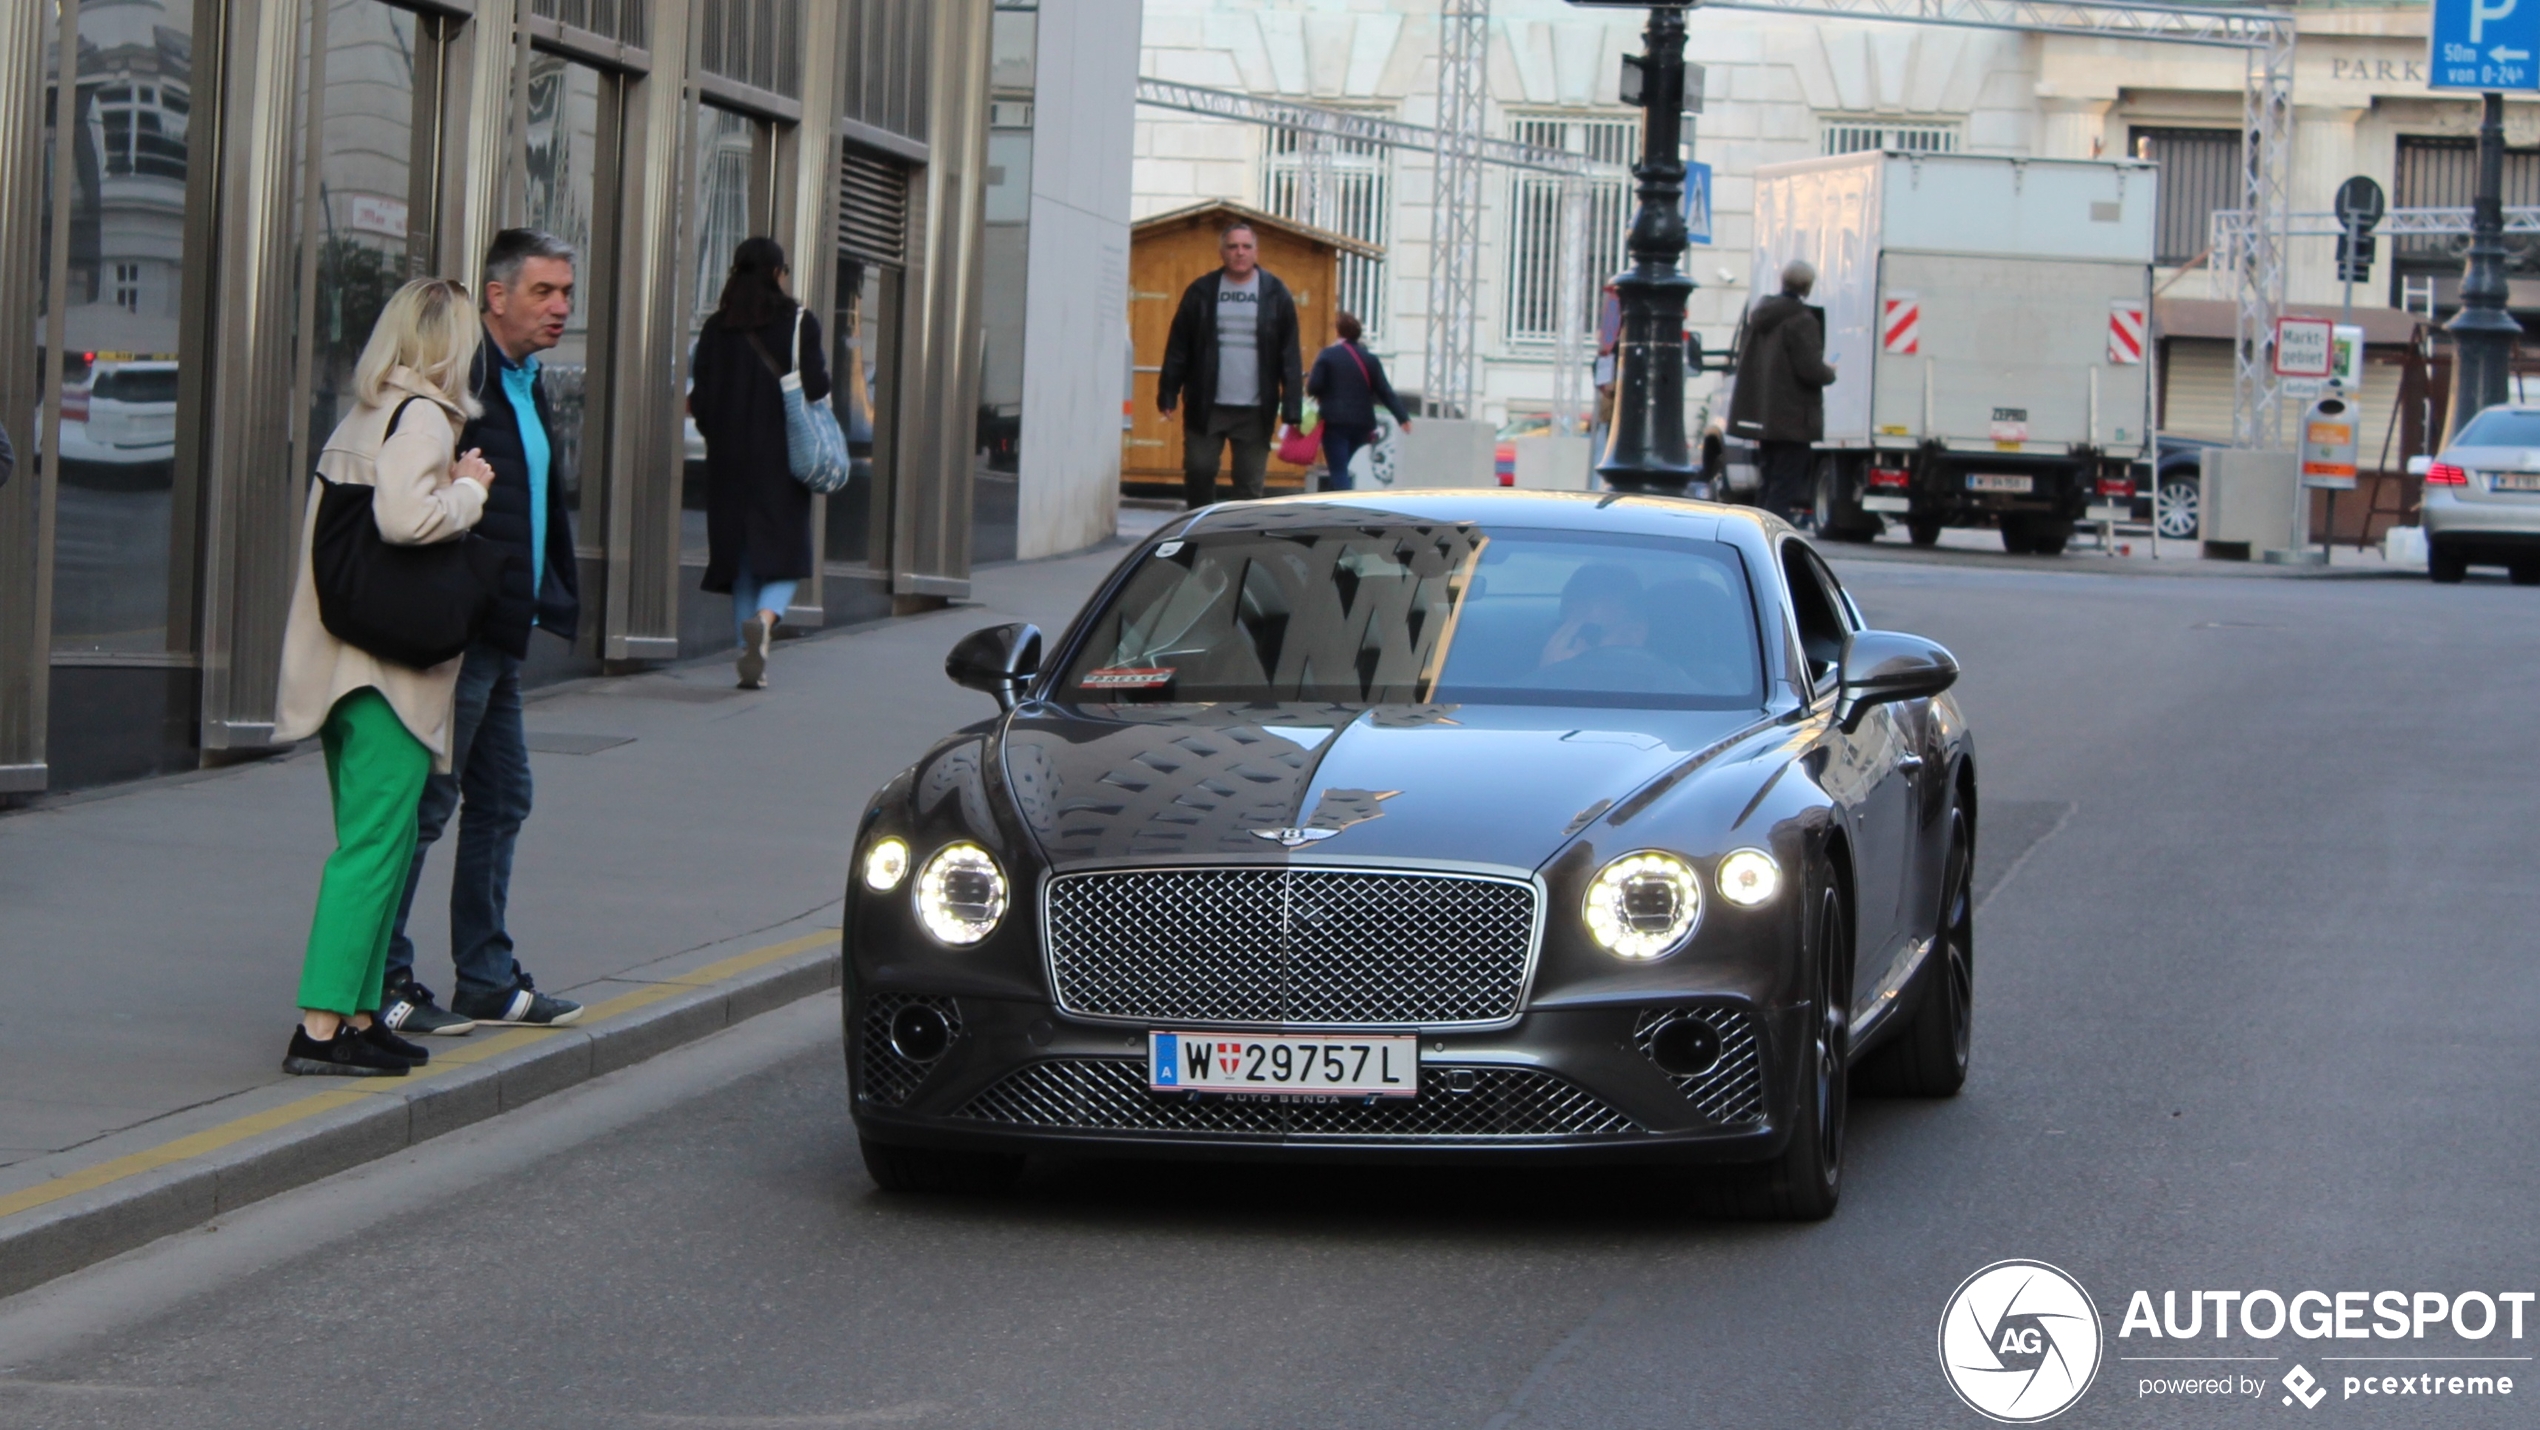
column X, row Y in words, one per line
column 376, row 768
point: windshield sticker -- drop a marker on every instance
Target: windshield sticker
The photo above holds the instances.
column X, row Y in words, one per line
column 1168, row 548
column 1127, row 677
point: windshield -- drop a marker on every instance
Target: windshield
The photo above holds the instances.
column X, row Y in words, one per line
column 1383, row 615
column 2501, row 427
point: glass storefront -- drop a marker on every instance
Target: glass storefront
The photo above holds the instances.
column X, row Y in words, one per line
column 568, row 104
column 365, row 193
column 733, row 152
column 862, row 322
column 116, row 508
column 1013, row 55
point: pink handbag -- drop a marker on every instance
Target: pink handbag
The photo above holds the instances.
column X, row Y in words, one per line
column 1302, row 447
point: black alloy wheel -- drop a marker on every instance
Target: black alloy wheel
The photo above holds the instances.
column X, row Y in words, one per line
column 930, row 1170
column 2445, row 563
column 1928, row 1056
column 1806, row 1180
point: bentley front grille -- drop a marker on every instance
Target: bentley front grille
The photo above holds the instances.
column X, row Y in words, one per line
column 1292, row 947
column 1731, row 1089
column 1110, row 1095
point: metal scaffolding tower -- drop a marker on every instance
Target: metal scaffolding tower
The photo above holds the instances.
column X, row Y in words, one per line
column 1455, row 216
column 2256, row 257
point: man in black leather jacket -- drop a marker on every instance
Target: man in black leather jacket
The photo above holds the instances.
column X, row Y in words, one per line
column 1233, row 354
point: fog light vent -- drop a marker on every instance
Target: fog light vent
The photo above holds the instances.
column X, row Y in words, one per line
column 1712, row 1054
column 902, row 1036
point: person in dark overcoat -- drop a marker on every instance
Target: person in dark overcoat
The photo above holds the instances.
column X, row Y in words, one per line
column 1779, row 400
column 758, row 518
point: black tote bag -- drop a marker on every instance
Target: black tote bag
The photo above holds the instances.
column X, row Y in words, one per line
column 409, row 605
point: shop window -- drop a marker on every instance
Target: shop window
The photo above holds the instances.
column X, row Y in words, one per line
column 864, row 347
column 570, row 104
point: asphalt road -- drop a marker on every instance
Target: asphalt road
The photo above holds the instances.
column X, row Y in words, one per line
column 2255, row 990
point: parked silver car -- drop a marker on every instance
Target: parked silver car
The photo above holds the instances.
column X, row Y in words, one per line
column 2482, row 498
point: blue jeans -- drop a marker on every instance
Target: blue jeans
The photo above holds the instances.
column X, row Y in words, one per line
column 489, row 784
column 1338, row 448
column 751, row 596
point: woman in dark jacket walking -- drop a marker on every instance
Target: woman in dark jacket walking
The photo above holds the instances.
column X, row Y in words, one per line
column 1348, row 382
column 758, row 518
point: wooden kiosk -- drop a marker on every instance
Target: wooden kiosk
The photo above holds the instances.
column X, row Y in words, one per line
column 1165, row 253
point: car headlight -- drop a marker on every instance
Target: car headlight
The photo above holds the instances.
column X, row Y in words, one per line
column 885, row 864
column 1749, row 877
column 1643, row 905
column 960, row 894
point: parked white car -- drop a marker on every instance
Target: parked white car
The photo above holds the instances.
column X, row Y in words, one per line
column 2482, row 498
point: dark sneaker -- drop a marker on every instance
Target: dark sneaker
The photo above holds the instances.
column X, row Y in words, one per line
column 411, row 1054
column 521, row 1003
column 409, row 1008
column 344, row 1055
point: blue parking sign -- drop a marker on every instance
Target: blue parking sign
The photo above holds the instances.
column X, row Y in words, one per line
column 2483, row 45
column 1698, row 194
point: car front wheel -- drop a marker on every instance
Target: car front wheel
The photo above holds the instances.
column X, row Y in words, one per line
column 1806, row 1180
column 2176, row 513
column 1928, row 1057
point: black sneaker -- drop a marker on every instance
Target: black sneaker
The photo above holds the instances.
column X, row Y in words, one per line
column 408, row 1008
column 378, row 1036
column 521, row 1003
column 344, row 1055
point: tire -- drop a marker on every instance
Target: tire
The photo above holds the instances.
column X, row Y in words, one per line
column 1928, row 1056
column 2048, row 539
column 1923, row 533
column 2524, row 573
column 1806, row 1180
column 2016, row 538
column 2445, row 563
column 927, row 1170
column 2176, row 513
column 1835, row 520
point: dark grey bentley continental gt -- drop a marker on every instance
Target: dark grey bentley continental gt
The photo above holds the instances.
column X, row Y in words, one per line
column 1425, row 825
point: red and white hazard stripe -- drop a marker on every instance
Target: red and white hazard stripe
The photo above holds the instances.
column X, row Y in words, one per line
column 2125, row 332
column 1901, row 325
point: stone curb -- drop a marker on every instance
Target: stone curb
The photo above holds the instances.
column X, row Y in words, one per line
column 80, row 1230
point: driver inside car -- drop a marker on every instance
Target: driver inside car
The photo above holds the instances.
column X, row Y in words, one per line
column 1600, row 607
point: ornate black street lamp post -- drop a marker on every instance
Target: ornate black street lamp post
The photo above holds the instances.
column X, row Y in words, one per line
column 1646, row 451
column 2483, row 333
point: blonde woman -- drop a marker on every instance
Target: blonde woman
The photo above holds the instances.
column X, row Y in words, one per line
column 385, row 727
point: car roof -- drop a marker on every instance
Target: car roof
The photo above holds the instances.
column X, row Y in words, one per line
column 1497, row 506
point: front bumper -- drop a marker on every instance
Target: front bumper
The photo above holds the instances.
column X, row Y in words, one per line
column 1567, row 1084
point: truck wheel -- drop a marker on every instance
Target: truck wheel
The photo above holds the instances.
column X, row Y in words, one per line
column 2047, row 538
column 1838, row 518
column 1924, row 533
column 2015, row 536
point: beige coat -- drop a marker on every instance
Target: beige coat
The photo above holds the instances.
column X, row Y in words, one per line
column 418, row 503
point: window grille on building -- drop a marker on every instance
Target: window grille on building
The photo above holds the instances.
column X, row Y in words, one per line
column 2199, row 173
column 1534, row 221
column 755, row 42
column 1360, row 209
column 872, row 208
column 619, row 20
column 141, row 129
column 1853, row 135
column 2436, row 172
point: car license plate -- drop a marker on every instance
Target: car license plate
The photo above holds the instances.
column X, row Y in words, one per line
column 1999, row 482
column 2514, row 482
column 1342, row 1064
column 1887, row 504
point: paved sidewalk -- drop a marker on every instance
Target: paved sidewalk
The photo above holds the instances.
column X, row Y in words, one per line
column 686, row 834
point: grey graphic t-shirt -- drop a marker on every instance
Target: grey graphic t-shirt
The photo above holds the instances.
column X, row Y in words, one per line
column 1238, row 341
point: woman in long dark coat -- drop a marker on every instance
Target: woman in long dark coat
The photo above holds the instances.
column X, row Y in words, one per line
column 758, row 518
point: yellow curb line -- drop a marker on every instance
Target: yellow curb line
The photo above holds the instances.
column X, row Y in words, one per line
column 213, row 1139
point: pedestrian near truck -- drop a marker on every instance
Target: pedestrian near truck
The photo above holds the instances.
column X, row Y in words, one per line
column 386, row 728
column 758, row 515
column 1231, row 364
column 1779, row 400
column 1348, row 381
column 528, row 296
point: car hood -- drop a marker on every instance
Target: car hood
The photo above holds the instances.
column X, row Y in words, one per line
column 1464, row 784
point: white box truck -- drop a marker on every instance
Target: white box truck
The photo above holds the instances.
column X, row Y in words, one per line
column 1986, row 318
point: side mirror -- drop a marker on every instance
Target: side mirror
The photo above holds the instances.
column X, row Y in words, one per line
column 1000, row 660
column 2419, row 466
column 1883, row 666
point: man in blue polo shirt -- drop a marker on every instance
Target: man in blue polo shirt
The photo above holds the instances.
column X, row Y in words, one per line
column 528, row 295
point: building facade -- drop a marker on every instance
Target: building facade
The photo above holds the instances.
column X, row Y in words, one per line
column 1792, row 87
column 204, row 203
